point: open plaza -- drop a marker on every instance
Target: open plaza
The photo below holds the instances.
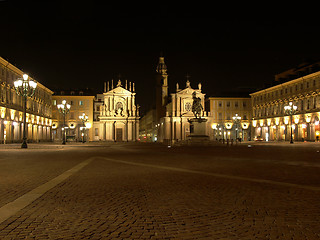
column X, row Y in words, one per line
column 154, row 191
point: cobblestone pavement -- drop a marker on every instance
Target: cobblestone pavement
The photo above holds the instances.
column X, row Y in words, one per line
column 145, row 191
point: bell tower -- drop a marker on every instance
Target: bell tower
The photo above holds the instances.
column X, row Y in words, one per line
column 161, row 88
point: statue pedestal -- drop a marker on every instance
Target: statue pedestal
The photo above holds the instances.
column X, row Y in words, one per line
column 197, row 130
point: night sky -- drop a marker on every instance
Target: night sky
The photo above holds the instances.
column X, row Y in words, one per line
column 69, row 44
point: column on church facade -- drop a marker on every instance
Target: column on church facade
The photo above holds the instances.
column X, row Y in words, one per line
column 174, row 103
column 178, row 103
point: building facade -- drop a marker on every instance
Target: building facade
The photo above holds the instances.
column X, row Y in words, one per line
column 38, row 112
column 148, row 131
column 175, row 126
column 169, row 121
column 230, row 118
column 270, row 120
column 81, row 104
column 119, row 115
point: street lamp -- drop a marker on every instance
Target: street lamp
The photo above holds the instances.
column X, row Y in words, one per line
column 290, row 110
column 236, row 120
column 64, row 109
column 84, row 119
column 25, row 88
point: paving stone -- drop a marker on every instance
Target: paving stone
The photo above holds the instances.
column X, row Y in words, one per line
column 110, row 200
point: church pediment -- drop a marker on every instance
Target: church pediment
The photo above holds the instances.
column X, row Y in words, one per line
column 187, row 91
column 119, row 90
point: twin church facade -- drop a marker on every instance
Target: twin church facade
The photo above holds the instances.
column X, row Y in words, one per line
column 114, row 116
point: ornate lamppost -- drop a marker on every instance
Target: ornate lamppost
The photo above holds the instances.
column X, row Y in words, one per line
column 64, row 109
column 84, row 119
column 236, row 120
column 290, row 110
column 25, row 88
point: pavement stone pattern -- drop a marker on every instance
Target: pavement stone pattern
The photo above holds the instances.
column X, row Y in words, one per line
column 110, row 200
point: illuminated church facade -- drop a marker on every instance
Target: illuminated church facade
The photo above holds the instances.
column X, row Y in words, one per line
column 169, row 121
column 119, row 116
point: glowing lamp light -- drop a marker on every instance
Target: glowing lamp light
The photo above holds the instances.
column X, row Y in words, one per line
column 25, row 76
column 228, row 125
column 308, row 118
column 286, row 121
column 296, row 120
column 17, row 83
column 316, row 122
column 88, row 125
column 245, row 125
column 304, row 125
column 261, row 122
column 269, row 122
column 254, row 123
column 32, row 84
column 214, row 126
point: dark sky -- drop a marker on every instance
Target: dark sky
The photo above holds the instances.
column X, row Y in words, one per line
column 78, row 44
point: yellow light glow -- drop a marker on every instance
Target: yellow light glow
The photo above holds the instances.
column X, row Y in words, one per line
column 308, row 118
column 269, row 121
column 286, row 120
column 245, row 125
column 12, row 114
column 88, row 125
column 261, row 122
column 254, row 123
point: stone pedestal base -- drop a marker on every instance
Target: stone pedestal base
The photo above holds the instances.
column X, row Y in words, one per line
column 197, row 131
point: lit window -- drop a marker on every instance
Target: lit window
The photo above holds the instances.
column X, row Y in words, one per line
column 54, row 102
column 81, row 103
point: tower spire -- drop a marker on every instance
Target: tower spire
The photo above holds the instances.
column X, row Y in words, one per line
column 161, row 68
column 161, row 88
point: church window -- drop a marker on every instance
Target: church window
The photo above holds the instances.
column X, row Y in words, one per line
column 187, row 107
column 119, row 107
